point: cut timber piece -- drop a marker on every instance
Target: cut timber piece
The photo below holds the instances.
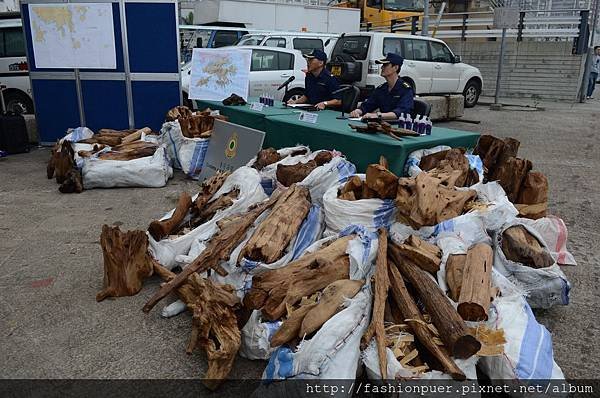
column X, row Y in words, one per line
column 329, row 304
column 409, row 310
column 72, row 182
column 274, row 234
column 218, row 248
column 63, row 161
column 382, row 284
column 271, row 290
column 292, row 173
column 126, row 262
column 382, row 181
column 453, row 170
column 209, row 187
column 474, row 299
column 177, row 113
column 353, row 185
column 117, row 133
column 222, row 202
column 424, row 254
column 266, row 157
column 323, row 157
column 160, row 229
column 347, row 196
column 431, row 161
column 136, row 136
column 454, row 274
column 426, row 201
column 533, row 212
column 494, row 152
column 534, row 189
column 290, row 328
column 368, row 193
column 511, row 175
column 520, row 246
column 453, row 202
column 451, row 326
column 129, row 154
column 215, row 330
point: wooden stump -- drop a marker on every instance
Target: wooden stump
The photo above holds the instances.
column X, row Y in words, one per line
column 126, row 262
column 209, row 187
column 161, row 229
column 511, row 175
column 522, row 247
column 474, row 300
column 455, row 266
column 293, row 173
column 382, row 181
column 266, row 157
column 424, row 254
column 494, row 152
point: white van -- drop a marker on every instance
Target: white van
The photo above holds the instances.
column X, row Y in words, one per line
column 302, row 41
column 429, row 66
column 14, row 72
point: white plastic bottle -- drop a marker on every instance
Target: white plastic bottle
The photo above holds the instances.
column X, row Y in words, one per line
column 428, row 127
column 418, row 124
column 409, row 122
column 402, row 121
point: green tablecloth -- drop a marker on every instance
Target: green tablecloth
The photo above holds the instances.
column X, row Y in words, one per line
column 360, row 148
column 242, row 114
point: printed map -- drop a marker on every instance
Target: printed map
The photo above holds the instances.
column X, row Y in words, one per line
column 217, row 73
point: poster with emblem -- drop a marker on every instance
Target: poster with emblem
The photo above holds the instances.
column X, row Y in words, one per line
column 231, row 146
column 217, row 73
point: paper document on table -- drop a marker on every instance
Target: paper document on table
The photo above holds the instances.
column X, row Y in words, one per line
column 355, row 119
column 300, row 105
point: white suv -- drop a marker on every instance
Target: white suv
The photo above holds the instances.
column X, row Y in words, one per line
column 429, row 66
column 269, row 67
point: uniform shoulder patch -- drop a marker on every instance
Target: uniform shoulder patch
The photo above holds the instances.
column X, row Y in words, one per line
column 406, row 85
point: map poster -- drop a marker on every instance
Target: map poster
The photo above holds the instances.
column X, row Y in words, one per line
column 73, row 35
column 218, row 73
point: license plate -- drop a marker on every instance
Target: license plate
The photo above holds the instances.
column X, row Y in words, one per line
column 336, row 71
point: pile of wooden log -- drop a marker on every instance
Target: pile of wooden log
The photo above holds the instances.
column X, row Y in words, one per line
column 380, row 183
column 194, row 124
column 451, row 166
column 527, row 189
column 293, row 173
column 62, row 166
column 269, row 156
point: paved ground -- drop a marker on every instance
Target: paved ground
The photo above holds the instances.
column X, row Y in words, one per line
column 51, row 262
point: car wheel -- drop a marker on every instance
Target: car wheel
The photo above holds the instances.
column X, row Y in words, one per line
column 18, row 103
column 471, row 93
column 293, row 94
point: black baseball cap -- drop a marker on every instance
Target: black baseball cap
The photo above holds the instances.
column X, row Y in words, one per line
column 391, row 58
column 318, row 54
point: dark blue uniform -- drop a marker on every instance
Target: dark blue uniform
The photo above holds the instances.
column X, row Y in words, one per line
column 399, row 100
column 319, row 89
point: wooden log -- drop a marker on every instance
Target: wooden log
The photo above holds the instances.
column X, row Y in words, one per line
column 323, row 157
column 72, row 182
column 222, row 202
column 347, row 196
column 429, row 162
column 382, row 285
column 413, row 317
column 454, row 274
column 219, row 248
column 160, row 229
column 129, row 154
column 474, row 300
column 209, row 187
column 382, row 181
column 126, row 262
column 448, row 322
column 494, row 152
column 510, row 176
column 533, row 212
column 453, row 170
column 290, row 328
column 288, row 174
column 534, row 189
column 63, row 161
column 423, row 254
column 353, row 185
column 116, row 133
column 133, row 145
column 177, row 113
column 266, row 157
column 215, row 330
column 136, row 135
column 272, row 290
column 270, row 239
column 330, row 302
column 452, row 203
column 520, row 246
column 101, row 139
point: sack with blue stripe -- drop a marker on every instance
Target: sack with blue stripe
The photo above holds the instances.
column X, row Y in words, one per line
column 528, row 353
column 332, row 173
column 370, row 213
column 185, row 153
column 289, row 155
column 333, row 352
column 412, row 165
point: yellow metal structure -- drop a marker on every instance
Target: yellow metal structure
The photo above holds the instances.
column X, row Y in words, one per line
column 381, row 13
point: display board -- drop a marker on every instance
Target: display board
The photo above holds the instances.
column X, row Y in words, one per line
column 99, row 64
column 217, row 73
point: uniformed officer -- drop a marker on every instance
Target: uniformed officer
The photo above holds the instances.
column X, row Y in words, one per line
column 318, row 84
column 391, row 98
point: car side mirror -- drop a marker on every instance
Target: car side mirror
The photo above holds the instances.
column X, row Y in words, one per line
column 457, row 59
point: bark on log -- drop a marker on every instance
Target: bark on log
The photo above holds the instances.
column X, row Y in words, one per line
column 382, row 181
column 72, row 182
column 511, row 175
column 455, row 266
column 448, row 322
column 330, row 302
column 274, row 234
column 323, row 157
column 288, row 174
column 271, row 290
column 290, row 328
column 129, row 154
column 116, row 133
column 126, row 262
column 178, row 112
column 534, row 189
column 209, row 187
column 429, row 162
column 222, row 202
column 522, row 247
column 494, row 152
column 453, row 170
column 266, row 157
column 215, row 330
column 474, row 300
column 63, row 161
column 411, row 313
column 160, row 229
column 219, row 248
column 382, row 285
column 423, row 254
column 353, row 185
column 109, row 140
column 135, row 135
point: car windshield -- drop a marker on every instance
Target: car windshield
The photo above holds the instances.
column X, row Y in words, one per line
column 403, row 5
column 351, row 47
column 250, row 40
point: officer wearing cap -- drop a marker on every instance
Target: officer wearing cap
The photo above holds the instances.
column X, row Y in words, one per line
column 393, row 97
column 318, row 84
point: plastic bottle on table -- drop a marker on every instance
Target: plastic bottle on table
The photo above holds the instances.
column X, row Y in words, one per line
column 401, row 121
column 428, row 126
column 409, row 122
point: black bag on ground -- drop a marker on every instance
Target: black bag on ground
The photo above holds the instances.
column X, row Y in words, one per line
column 13, row 133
